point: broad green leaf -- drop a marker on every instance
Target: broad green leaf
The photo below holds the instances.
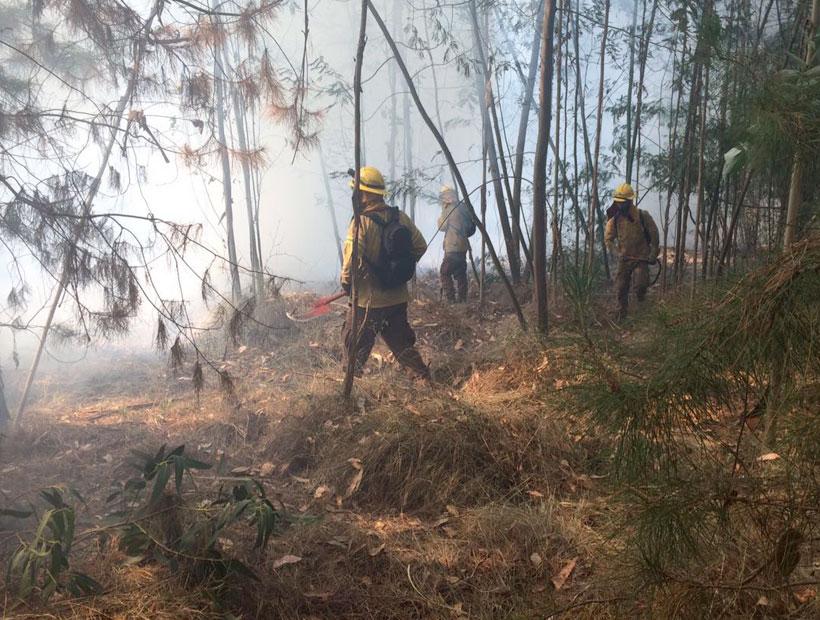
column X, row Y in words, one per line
column 163, row 474
column 16, row 514
column 195, row 464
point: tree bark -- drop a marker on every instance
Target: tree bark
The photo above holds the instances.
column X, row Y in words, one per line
column 701, row 164
column 485, row 94
column 595, row 203
column 528, row 85
column 629, row 86
column 5, row 416
column 555, row 59
column 539, row 216
column 451, row 161
column 331, row 209
column 256, row 261
column 347, row 386
column 641, row 78
column 227, row 191
column 79, row 227
column 796, row 184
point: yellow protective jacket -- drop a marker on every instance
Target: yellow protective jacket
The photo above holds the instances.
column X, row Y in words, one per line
column 371, row 295
column 453, row 221
column 626, row 234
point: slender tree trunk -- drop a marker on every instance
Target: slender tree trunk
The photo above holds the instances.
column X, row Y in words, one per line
column 556, row 230
column 227, row 191
column 630, row 84
column 451, row 162
column 701, row 164
column 393, row 114
column 79, row 228
column 595, row 204
column 528, row 85
column 796, row 183
column 256, row 262
column 645, row 42
column 730, row 233
column 672, row 167
column 5, row 416
column 409, row 170
column 485, row 92
column 330, row 208
column 483, row 207
column 353, row 345
column 539, row 216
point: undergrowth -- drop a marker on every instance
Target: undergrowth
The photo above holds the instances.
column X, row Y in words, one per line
column 714, row 442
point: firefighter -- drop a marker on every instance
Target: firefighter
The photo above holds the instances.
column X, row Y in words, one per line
column 389, row 246
column 457, row 225
column 633, row 235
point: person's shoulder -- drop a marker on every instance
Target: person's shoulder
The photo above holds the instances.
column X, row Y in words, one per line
column 404, row 218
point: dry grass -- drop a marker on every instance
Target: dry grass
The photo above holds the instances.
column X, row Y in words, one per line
column 460, row 500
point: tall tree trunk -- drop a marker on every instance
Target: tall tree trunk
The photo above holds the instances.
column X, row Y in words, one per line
column 673, row 135
column 701, row 164
column 330, row 208
column 796, row 183
column 483, row 207
column 256, row 261
column 539, row 216
column 556, row 229
column 630, row 84
column 484, row 87
column 5, row 416
column 227, row 190
column 353, row 345
column 595, row 203
column 408, row 159
column 393, row 114
column 528, row 86
column 79, row 227
column 730, row 233
column 589, row 227
column 645, row 42
column 450, row 161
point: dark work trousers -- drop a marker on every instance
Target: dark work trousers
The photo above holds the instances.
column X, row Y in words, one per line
column 454, row 267
column 629, row 271
column 391, row 324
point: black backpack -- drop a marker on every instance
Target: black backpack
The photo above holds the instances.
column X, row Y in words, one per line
column 396, row 264
column 469, row 226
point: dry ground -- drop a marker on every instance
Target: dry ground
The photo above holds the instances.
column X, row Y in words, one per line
column 468, row 498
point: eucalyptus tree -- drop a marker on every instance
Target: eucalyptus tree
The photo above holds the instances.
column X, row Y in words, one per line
column 54, row 206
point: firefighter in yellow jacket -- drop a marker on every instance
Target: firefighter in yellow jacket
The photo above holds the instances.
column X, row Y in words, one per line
column 381, row 308
column 457, row 226
column 633, row 235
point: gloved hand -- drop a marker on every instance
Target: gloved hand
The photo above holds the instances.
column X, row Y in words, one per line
column 346, row 288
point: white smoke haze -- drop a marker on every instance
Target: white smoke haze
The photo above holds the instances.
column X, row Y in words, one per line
column 296, row 232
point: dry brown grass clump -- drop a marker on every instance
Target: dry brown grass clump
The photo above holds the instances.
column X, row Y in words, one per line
column 422, row 452
column 494, row 561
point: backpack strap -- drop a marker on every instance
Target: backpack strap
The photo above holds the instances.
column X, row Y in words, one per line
column 393, row 215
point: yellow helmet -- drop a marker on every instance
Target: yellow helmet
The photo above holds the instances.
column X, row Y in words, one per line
column 370, row 180
column 447, row 194
column 623, row 193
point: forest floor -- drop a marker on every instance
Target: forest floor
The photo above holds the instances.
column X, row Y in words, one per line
column 473, row 497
